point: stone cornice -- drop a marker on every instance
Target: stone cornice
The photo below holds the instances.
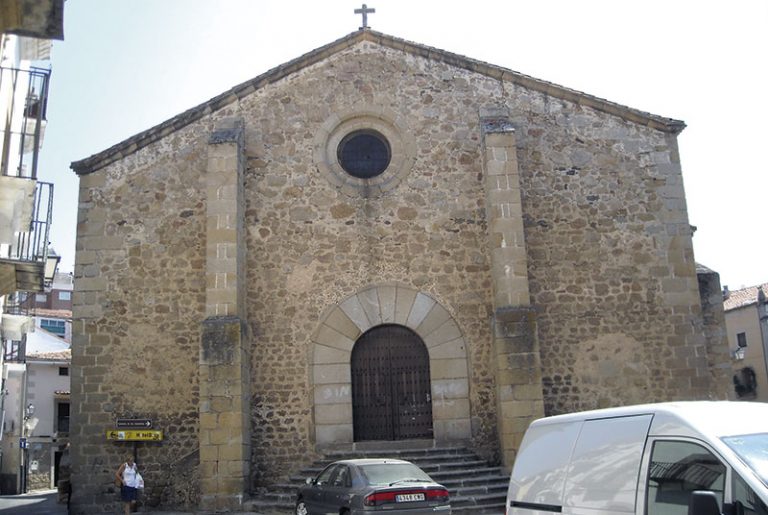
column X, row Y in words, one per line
column 142, row 139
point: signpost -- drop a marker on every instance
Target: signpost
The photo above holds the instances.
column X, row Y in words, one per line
column 131, row 423
column 128, row 435
column 134, row 430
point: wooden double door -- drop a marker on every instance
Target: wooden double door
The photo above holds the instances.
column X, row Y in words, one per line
column 391, row 393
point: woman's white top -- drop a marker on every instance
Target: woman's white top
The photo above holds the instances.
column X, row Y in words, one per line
column 129, row 476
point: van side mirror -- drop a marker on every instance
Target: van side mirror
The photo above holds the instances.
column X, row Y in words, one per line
column 308, row 481
column 703, row 502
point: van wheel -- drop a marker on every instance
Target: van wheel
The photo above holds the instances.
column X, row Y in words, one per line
column 301, row 508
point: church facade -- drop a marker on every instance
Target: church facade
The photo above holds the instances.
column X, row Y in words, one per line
column 376, row 241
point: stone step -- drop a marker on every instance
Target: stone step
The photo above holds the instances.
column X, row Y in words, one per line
column 492, row 488
column 494, row 509
column 283, row 503
column 415, row 458
column 475, row 487
column 479, row 500
column 446, row 475
column 487, row 479
column 429, row 467
column 374, row 452
column 462, row 487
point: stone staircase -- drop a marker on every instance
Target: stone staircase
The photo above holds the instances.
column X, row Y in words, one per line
column 474, row 485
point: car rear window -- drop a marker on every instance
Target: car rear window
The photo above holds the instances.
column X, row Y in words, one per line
column 386, row 473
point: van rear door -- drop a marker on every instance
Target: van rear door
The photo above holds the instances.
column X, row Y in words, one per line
column 605, row 467
column 538, row 476
column 579, row 466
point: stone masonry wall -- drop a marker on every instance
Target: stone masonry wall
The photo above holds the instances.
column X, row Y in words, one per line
column 610, row 261
column 311, row 245
column 612, row 266
column 138, row 304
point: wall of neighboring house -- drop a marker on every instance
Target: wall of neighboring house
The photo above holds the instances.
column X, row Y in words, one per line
column 55, row 299
column 23, row 98
column 11, row 453
column 44, row 378
column 53, row 309
column 745, row 320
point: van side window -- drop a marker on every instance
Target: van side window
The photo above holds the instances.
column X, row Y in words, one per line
column 676, row 470
column 749, row 500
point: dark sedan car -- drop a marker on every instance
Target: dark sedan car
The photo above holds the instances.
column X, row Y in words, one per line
column 364, row 486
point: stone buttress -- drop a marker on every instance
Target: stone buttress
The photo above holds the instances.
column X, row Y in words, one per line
column 224, row 365
column 519, row 394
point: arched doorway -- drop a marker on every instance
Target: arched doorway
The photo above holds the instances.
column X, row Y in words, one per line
column 391, row 389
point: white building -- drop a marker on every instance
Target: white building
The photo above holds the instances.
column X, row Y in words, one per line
column 26, row 265
column 746, row 319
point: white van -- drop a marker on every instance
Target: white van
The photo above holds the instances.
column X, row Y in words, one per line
column 645, row 460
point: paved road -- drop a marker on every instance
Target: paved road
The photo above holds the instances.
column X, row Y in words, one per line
column 34, row 503
column 44, row 503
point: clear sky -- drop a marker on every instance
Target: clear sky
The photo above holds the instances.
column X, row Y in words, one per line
column 127, row 65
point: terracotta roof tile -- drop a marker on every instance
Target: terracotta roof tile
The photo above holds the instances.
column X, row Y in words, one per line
column 61, row 355
column 53, row 313
column 744, row 297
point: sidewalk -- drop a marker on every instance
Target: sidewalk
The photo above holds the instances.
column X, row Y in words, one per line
column 41, row 502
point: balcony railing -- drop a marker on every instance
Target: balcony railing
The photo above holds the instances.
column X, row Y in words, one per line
column 23, row 105
column 28, row 249
column 32, row 245
column 19, row 303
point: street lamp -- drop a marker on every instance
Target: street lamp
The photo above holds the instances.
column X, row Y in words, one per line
column 51, row 264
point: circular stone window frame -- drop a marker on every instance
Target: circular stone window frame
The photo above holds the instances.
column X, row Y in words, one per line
column 386, row 122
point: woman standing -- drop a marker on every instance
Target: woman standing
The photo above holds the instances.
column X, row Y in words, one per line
column 129, row 487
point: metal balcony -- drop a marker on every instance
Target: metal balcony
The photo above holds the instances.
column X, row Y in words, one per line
column 26, row 264
column 23, row 105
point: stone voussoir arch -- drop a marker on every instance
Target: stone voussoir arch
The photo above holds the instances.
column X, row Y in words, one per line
column 344, row 323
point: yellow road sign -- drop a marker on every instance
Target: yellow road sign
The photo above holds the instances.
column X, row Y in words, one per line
column 132, row 435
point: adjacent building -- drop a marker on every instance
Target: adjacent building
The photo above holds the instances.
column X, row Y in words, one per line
column 27, row 265
column 37, row 384
column 36, row 420
column 746, row 317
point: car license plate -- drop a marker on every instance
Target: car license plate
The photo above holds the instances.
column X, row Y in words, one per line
column 409, row 497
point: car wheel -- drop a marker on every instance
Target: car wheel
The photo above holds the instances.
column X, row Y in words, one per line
column 301, row 508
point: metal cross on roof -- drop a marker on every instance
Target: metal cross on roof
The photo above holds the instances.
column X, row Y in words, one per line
column 365, row 12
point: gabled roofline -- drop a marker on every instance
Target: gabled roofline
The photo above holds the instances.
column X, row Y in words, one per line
column 142, row 139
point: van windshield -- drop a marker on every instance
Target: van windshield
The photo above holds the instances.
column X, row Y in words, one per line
column 753, row 450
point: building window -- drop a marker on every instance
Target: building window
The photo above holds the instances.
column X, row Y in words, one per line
column 41, row 298
column 741, row 340
column 65, row 295
column 364, row 154
column 63, row 371
column 57, row 327
column 62, row 417
column 365, row 151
